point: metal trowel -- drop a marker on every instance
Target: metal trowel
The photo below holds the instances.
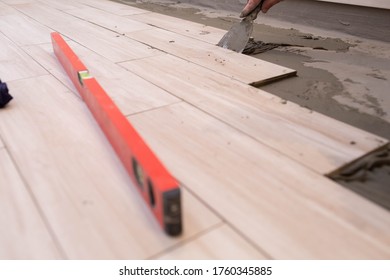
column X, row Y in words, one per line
column 238, row 35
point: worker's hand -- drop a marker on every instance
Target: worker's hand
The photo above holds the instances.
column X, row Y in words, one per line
column 252, row 4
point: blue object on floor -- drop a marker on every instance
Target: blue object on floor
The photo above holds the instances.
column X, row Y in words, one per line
column 5, row 97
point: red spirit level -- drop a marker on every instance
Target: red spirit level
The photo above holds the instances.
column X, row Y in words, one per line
column 158, row 188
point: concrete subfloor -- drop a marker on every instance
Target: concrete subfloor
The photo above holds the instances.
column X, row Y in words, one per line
column 341, row 53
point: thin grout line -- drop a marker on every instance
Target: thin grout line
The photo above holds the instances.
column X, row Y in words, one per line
column 239, row 232
column 37, row 44
column 187, row 240
column 2, row 145
column 27, row 78
column 34, row 199
column 2, row 142
column 154, row 108
column 94, row 23
column 159, row 53
column 111, row 12
column 71, row 90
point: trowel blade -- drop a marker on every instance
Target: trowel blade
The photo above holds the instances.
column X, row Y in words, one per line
column 238, row 36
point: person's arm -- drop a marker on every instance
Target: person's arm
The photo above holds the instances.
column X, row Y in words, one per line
column 252, row 4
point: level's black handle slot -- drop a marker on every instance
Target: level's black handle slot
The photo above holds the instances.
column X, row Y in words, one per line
column 172, row 212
